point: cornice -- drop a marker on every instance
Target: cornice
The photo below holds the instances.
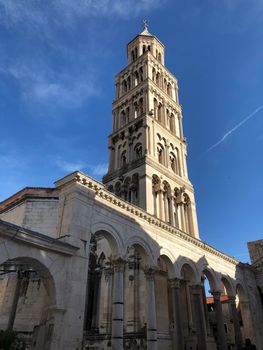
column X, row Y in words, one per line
column 33, row 238
column 100, row 191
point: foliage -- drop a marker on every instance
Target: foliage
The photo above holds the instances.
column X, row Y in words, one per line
column 9, row 341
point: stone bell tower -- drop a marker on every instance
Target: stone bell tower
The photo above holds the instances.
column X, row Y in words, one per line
column 147, row 165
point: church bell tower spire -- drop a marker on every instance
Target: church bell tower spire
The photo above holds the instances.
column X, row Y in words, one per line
column 147, row 165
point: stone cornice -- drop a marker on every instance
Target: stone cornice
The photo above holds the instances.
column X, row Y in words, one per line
column 33, row 238
column 100, row 191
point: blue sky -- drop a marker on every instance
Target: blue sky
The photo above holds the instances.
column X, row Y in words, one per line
column 57, row 65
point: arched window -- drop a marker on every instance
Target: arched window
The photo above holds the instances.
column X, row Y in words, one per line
column 158, row 79
column 173, row 163
column 143, row 48
column 123, row 118
column 153, row 74
column 136, row 52
column 129, row 82
column 156, row 187
column 133, row 56
column 172, row 123
column 186, row 210
column 169, row 89
column 136, row 78
column 141, row 73
column 149, row 47
column 160, row 153
column 135, row 188
column 155, row 105
column 140, row 106
column 124, row 86
column 126, row 189
column 138, row 151
column 118, row 189
column 159, row 113
column 123, row 160
column 136, row 110
column 110, row 188
column 167, row 196
column 159, row 57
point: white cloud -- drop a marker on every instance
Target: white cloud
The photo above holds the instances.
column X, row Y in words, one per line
column 70, row 166
column 99, row 169
column 64, row 12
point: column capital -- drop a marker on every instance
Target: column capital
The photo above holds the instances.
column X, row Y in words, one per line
column 232, row 298
column 118, row 264
column 174, row 283
column 149, row 272
column 195, row 288
column 216, row 294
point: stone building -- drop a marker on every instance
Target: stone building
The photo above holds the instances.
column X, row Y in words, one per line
column 120, row 265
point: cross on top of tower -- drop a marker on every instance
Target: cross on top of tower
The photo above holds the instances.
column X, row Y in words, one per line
column 145, row 24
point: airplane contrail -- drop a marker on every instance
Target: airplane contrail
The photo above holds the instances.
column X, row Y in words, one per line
column 235, row 128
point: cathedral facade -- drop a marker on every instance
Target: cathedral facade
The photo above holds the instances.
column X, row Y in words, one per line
column 120, row 264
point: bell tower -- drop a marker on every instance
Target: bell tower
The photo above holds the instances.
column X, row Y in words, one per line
column 147, row 165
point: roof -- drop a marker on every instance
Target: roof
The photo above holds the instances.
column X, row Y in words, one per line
column 29, row 192
column 210, row 300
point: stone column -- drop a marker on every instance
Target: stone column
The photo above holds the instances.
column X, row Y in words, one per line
column 219, row 321
column 234, row 315
column 117, row 307
column 12, row 313
column 199, row 316
column 204, row 303
column 151, row 311
column 96, row 302
column 178, row 338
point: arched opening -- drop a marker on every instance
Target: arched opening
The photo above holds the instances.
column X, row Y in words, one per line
column 156, row 188
column 160, row 153
column 164, row 302
column 141, row 73
column 123, row 160
column 187, row 306
column 99, row 298
column 172, row 123
column 136, row 78
column 27, row 291
column 244, row 315
column 159, row 57
column 230, row 314
column 159, row 113
column 158, row 79
column 167, row 200
column 135, row 317
column 138, row 151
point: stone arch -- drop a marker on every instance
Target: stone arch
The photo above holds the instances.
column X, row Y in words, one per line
column 190, row 267
column 241, row 292
column 111, row 235
column 168, row 259
column 144, row 247
column 38, row 264
column 227, row 283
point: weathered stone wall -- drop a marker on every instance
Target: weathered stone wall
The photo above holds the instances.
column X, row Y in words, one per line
column 39, row 215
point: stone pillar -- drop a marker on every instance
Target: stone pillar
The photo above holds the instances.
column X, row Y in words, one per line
column 117, row 307
column 199, row 316
column 12, row 313
column 204, row 303
column 219, row 321
column 178, row 338
column 234, row 315
column 151, row 311
column 96, row 303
